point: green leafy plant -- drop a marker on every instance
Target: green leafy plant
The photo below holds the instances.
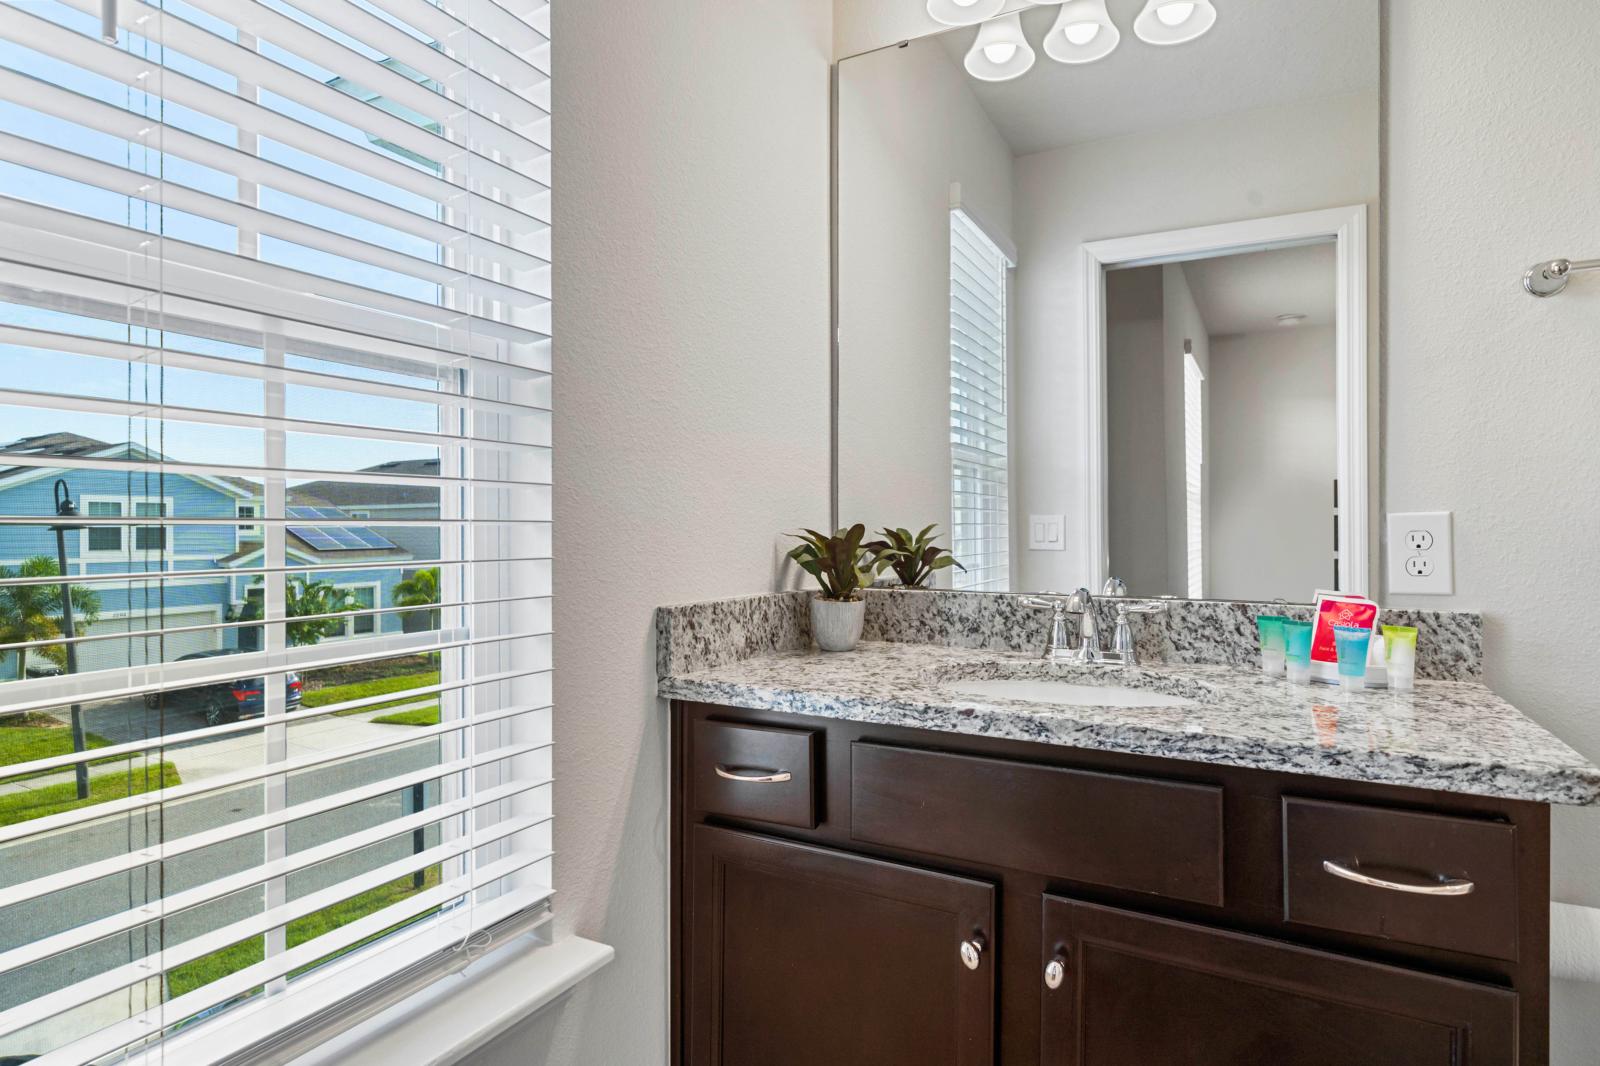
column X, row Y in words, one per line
column 420, row 589
column 914, row 559
column 840, row 563
column 302, row 597
column 33, row 612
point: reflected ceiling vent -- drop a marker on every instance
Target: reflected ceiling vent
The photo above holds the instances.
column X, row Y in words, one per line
column 1290, row 321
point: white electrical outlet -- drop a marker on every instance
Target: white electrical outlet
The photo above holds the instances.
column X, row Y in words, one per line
column 1045, row 532
column 1421, row 562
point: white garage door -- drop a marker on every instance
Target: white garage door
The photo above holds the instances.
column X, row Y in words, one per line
column 138, row 651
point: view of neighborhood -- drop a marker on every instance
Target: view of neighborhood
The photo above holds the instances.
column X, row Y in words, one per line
column 373, row 567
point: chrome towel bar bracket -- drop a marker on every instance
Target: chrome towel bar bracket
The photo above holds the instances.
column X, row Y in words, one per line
column 1549, row 278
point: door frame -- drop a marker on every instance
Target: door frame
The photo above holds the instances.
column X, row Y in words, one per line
column 1347, row 227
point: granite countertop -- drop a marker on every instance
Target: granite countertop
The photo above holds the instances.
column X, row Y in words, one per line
column 1453, row 736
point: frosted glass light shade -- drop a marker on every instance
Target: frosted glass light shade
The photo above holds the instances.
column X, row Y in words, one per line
column 1174, row 21
column 1083, row 32
column 1000, row 52
column 963, row 12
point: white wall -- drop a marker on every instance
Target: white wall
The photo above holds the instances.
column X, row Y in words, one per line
column 691, row 427
column 862, row 25
column 909, row 126
column 1136, row 431
column 1271, row 460
column 1274, row 161
column 1491, row 394
column 1182, row 321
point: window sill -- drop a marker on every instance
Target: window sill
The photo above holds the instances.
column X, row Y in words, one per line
column 459, row 1014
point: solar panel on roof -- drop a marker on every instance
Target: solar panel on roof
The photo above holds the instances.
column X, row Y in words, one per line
column 335, row 538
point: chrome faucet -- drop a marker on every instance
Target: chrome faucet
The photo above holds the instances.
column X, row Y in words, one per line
column 1060, row 647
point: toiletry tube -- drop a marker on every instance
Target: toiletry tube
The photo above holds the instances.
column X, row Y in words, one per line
column 1336, row 609
column 1400, row 654
column 1351, row 644
column 1270, row 626
column 1297, row 651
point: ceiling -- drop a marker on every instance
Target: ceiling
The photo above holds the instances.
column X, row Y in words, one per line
column 1259, row 53
column 1246, row 293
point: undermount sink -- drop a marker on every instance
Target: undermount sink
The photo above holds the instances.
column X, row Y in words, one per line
column 1047, row 690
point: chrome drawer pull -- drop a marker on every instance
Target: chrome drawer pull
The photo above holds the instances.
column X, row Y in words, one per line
column 1448, row 886
column 759, row 777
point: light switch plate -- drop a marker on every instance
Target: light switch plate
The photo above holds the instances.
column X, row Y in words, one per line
column 1045, row 532
column 1421, row 554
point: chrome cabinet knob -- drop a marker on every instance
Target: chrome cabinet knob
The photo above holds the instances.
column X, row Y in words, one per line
column 1055, row 971
column 971, row 953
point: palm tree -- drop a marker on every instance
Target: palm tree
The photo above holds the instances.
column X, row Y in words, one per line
column 305, row 596
column 33, row 612
column 419, row 590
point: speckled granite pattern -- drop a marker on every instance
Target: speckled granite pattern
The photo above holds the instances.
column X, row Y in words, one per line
column 1447, row 735
column 1449, row 643
column 697, row 636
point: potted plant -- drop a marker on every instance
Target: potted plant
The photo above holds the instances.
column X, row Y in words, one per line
column 912, row 558
column 842, row 567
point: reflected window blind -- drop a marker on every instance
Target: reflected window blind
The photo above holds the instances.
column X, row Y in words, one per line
column 1194, row 434
column 287, row 263
column 980, row 537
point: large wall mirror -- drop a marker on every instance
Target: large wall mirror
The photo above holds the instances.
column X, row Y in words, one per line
column 1104, row 295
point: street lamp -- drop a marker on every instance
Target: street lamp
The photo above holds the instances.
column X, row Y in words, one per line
column 66, row 509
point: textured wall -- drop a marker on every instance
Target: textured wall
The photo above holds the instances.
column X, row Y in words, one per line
column 1490, row 394
column 691, row 280
column 909, row 126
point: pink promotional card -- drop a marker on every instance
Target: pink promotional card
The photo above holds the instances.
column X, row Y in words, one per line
column 1336, row 609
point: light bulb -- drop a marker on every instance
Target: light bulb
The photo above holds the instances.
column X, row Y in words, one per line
column 1081, row 33
column 1169, row 22
column 1175, row 14
column 964, row 3
column 999, row 53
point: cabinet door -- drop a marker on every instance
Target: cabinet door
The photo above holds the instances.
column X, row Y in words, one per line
column 802, row 956
column 1138, row 989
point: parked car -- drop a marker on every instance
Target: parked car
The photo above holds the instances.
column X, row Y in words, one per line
column 224, row 701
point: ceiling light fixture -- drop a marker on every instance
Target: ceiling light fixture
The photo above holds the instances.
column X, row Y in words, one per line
column 1174, row 21
column 963, row 12
column 1083, row 32
column 1000, row 52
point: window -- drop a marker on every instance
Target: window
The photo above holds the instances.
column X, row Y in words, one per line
column 109, row 538
column 980, row 527
column 265, row 265
column 1194, row 435
column 104, row 538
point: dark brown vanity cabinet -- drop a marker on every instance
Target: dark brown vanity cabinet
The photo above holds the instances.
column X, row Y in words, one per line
column 1127, row 988
column 845, row 893
column 807, row 956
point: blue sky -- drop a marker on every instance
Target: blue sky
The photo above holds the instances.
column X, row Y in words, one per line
column 58, row 372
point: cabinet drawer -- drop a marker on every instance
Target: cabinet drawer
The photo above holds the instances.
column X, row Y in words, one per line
column 755, row 772
column 1427, row 879
column 1136, row 833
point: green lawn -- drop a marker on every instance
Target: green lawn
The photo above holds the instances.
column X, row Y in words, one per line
column 235, row 957
column 103, row 787
column 427, row 714
column 19, row 744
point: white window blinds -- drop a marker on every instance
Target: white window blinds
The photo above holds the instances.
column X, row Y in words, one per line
column 980, row 537
column 1194, row 435
column 288, row 263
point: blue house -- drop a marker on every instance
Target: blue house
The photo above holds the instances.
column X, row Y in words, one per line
column 209, row 552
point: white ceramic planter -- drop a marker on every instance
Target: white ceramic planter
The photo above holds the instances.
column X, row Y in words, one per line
column 836, row 624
